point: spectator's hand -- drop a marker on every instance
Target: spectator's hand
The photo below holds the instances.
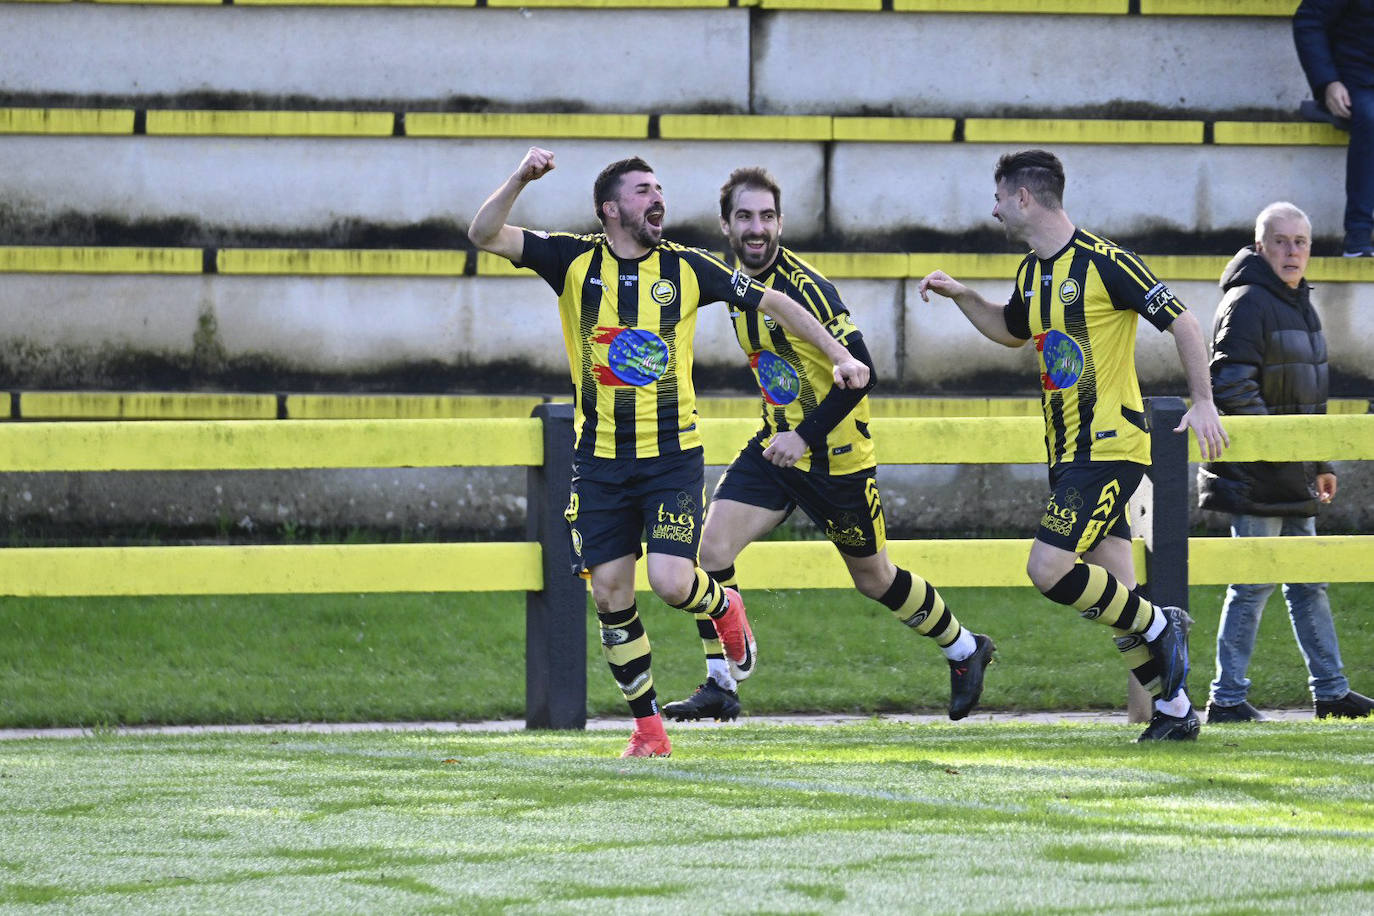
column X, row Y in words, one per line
column 785, row 449
column 1338, row 99
column 536, row 164
column 1326, row 487
column 1206, row 423
column 940, row 282
column 851, row 373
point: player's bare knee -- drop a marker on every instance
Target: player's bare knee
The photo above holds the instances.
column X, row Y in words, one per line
column 673, row 588
column 1045, row 572
column 715, row 555
column 611, row 599
column 871, row 584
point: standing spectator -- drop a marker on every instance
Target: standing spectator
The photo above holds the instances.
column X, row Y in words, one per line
column 1269, row 357
column 1079, row 298
column 1335, row 40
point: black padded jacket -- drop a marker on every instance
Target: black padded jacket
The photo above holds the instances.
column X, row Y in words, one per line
column 1268, row 357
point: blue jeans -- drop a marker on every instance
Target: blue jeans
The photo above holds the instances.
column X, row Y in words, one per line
column 1308, row 609
column 1359, row 170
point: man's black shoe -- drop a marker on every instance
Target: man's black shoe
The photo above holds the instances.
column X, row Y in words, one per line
column 1241, row 712
column 1170, row 650
column 1351, row 706
column 1164, row 727
column 711, row 701
column 966, row 677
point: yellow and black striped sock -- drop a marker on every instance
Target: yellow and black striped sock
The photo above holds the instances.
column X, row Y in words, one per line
column 916, row 603
column 625, row 646
column 1137, row 656
column 1099, row 596
column 710, row 639
column 706, row 597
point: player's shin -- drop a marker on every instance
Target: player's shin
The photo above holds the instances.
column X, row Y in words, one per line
column 625, row 646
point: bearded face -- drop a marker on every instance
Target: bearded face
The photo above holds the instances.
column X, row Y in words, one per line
column 754, row 228
column 639, row 208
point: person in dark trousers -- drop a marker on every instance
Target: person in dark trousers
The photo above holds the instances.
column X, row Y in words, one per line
column 1335, row 42
column 1269, row 357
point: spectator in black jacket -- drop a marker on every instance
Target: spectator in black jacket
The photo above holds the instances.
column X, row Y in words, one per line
column 1335, row 40
column 1269, row 357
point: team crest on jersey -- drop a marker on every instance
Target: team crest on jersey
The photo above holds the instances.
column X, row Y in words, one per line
column 1062, row 359
column 778, row 381
column 634, row 357
column 663, row 291
column 1068, row 291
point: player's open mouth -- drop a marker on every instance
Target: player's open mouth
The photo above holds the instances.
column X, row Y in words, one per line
column 654, row 217
column 756, row 244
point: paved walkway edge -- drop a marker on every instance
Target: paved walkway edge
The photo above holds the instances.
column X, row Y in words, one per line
column 600, row 724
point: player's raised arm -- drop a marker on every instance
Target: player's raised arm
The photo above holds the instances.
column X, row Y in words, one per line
column 489, row 230
column 988, row 317
column 796, row 320
column 1202, row 415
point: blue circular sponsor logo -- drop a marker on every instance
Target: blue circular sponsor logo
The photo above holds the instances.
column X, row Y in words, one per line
column 638, row 357
column 778, row 381
column 1063, row 360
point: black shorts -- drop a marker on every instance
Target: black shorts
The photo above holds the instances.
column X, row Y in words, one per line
column 846, row 506
column 1088, row 503
column 616, row 502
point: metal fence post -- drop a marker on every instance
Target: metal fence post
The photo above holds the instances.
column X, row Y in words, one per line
column 1166, row 527
column 1166, row 560
column 555, row 618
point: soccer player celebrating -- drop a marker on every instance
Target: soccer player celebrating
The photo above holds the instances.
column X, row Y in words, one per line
column 628, row 303
column 814, row 451
column 1078, row 296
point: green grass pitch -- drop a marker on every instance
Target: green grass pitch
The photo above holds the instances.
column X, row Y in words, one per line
column 877, row 816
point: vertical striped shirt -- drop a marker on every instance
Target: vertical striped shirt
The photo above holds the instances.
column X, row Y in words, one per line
column 628, row 326
column 794, row 376
column 1081, row 306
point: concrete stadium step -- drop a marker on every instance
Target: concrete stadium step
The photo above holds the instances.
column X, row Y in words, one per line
column 176, row 122
column 81, row 318
column 294, row 191
column 1053, row 7
column 787, row 58
column 196, row 405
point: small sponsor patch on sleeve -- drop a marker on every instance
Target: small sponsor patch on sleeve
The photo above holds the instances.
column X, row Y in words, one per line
column 741, row 283
column 1159, row 296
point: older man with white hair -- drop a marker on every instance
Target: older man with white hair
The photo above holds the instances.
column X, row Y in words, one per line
column 1269, row 357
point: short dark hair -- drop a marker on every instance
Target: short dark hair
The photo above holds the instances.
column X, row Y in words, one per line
column 1036, row 170
column 753, row 176
column 608, row 182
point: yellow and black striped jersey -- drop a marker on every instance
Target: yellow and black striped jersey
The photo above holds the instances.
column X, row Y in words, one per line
column 1081, row 307
column 628, row 327
column 795, row 377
